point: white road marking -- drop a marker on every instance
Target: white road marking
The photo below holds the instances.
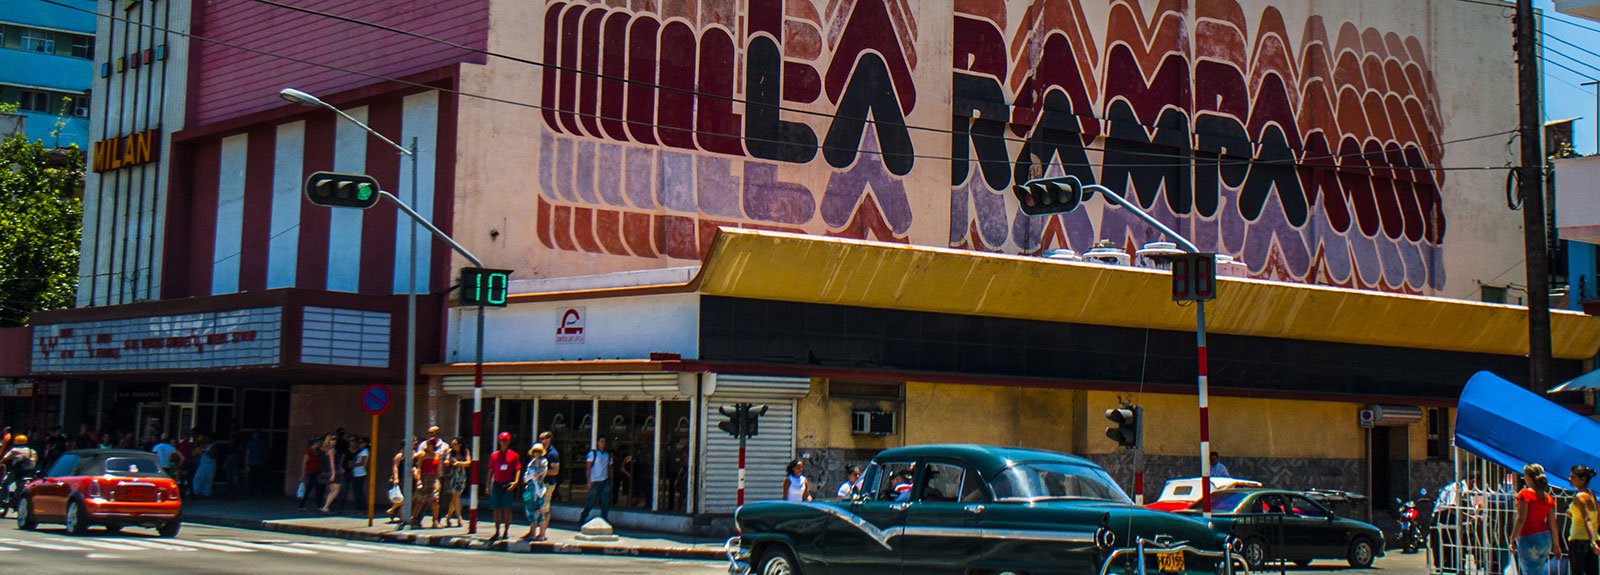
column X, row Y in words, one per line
column 104, row 556
column 389, row 548
column 46, row 546
column 209, row 546
column 263, row 547
column 109, row 545
column 329, row 548
column 153, row 545
column 7, row 549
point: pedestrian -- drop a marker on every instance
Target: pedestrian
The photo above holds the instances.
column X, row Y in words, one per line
column 1535, row 522
column 533, row 492
column 1583, row 537
column 852, row 474
column 504, row 467
column 331, row 473
column 426, row 473
column 165, row 452
column 255, row 460
column 1217, row 468
column 796, row 488
column 397, row 503
column 454, row 480
column 551, row 477
column 310, row 471
column 359, row 469
column 598, row 464
column 206, row 470
column 439, row 445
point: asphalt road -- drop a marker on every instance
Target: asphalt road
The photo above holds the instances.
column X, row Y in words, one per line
column 207, row 549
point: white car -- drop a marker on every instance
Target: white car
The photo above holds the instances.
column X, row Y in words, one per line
column 1180, row 494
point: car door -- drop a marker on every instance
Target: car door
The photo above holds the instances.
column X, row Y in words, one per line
column 867, row 541
column 49, row 494
column 942, row 534
column 1317, row 535
column 1267, row 514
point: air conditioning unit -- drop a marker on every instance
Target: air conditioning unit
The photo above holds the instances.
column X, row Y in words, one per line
column 863, row 422
column 1390, row 415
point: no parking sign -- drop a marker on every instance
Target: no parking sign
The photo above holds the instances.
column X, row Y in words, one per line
column 375, row 399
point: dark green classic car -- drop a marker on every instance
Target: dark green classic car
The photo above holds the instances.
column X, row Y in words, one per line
column 1272, row 524
column 965, row 509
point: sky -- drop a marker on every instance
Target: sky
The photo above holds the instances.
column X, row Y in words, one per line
column 1563, row 98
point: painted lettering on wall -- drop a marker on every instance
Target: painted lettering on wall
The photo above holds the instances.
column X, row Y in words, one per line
column 126, row 151
column 1310, row 157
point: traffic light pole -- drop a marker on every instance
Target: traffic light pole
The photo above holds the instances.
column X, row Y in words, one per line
column 744, row 417
column 1199, row 332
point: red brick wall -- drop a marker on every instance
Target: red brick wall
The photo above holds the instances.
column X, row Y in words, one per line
column 16, row 351
column 230, row 82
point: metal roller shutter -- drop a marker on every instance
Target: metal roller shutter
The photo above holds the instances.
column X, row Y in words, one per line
column 766, row 454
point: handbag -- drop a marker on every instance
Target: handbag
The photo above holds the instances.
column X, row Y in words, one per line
column 300, row 492
column 395, row 495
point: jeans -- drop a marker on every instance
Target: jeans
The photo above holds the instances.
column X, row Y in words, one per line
column 1533, row 552
column 599, row 492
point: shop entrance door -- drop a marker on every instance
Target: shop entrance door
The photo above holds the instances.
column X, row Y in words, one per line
column 152, row 423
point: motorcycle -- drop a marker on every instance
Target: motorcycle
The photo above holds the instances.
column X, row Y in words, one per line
column 1413, row 522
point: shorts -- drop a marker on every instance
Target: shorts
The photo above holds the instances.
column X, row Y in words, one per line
column 549, row 495
column 500, row 496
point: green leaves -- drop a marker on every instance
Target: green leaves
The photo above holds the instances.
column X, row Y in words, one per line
column 41, row 215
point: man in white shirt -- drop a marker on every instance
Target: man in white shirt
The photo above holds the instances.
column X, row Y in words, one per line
column 599, row 468
column 1217, row 468
column 440, row 446
column 165, row 451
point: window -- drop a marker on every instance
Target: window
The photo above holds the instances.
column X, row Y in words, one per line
column 1272, row 503
column 1492, row 294
column 34, row 101
column 1055, row 480
column 64, row 465
column 1306, row 508
column 83, row 47
column 39, row 41
column 1438, row 432
column 891, row 481
column 947, row 482
column 80, row 106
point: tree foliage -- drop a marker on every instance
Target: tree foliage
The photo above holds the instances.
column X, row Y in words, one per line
column 41, row 215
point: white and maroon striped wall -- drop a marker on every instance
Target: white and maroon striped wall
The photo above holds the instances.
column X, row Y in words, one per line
column 245, row 225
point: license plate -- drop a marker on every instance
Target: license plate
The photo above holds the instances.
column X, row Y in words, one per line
column 137, row 492
column 1171, row 562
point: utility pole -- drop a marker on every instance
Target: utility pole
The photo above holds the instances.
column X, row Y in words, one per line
column 1530, row 185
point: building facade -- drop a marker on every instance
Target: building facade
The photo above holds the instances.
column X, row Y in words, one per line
column 47, row 61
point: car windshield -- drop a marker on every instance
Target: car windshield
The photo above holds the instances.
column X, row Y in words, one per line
column 1225, row 502
column 1055, row 480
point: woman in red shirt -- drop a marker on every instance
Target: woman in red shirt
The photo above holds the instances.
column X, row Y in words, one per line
column 427, row 475
column 310, row 469
column 1535, row 521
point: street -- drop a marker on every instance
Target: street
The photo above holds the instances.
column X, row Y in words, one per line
column 207, row 549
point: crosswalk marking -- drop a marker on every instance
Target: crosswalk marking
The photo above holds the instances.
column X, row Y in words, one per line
column 209, row 546
column 109, row 545
column 153, row 545
column 263, row 546
column 388, row 548
column 45, row 546
column 329, row 548
column 3, row 549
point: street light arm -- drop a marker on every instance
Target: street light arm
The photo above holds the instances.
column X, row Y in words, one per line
column 1121, row 201
column 364, row 126
column 436, row 231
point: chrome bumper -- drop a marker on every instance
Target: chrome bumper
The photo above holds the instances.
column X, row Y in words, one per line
column 738, row 564
column 1233, row 563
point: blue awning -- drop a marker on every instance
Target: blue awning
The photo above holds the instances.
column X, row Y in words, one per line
column 1513, row 427
column 1589, row 380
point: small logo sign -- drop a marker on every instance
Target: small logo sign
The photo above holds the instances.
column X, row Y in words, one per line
column 570, row 330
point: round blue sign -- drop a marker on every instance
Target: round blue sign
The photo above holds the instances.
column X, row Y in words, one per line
column 375, row 399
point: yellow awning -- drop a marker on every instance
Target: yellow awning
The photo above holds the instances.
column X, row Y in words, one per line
column 810, row 269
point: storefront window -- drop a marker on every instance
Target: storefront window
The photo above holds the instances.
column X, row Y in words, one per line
column 629, row 429
column 570, row 421
column 673, row 484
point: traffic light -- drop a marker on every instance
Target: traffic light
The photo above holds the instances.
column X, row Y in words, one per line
column 484, row 286
column 335, row 190
column 1194, row 277
column 1049, row 196
column 1127, row 426
column 749, row 414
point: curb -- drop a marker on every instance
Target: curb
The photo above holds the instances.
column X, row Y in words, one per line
column 460, row 542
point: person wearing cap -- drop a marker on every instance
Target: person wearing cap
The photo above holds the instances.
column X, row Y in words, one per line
column 505, row 466
column 19, row 461
column 533, row 493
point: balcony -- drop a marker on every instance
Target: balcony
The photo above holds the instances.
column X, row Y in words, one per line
column 48, row 71
column 1589, row 9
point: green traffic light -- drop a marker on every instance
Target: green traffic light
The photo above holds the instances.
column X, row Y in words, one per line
column 364, row 191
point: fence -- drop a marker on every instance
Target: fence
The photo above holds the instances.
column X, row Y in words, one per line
column 1472, row 519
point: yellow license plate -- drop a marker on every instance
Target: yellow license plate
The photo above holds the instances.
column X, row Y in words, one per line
column 1170, row 562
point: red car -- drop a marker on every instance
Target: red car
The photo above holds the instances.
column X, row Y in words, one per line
column 111, row 487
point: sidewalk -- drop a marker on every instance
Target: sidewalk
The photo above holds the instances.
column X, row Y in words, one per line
column 280, row 514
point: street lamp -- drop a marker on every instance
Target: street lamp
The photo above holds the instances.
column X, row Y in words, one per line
column 304, row 99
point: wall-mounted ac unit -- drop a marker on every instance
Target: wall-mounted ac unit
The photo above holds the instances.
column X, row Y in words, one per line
column 865, row 422
column 1389, row 415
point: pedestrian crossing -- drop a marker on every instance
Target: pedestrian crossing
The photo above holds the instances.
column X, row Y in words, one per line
column 100, row 547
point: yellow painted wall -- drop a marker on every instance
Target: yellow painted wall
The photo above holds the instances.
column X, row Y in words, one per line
column 1014, row 416
column 822, row 421
column 1240, row 427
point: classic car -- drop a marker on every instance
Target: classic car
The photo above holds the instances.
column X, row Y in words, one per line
column 111, row 487
column 960, row 509
column 1180, row 494
column 1274, row 525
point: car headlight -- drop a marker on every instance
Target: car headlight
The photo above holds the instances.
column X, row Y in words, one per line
column 1105, row 538
column 1233, row 544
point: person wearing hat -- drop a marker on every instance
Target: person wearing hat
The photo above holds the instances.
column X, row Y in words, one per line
column 504, row 467
column 533, row 492
column 19, row 461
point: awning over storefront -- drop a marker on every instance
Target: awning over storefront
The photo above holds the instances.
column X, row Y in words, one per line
column 1513, row 427
column 1589, row 380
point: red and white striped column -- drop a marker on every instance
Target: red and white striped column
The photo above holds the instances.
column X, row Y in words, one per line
column 1205, row 406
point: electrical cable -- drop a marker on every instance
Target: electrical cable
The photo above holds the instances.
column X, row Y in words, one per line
column 1189, row 163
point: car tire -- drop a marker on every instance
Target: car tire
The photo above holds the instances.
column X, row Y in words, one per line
column 776, row 560
column 77, row 521
column 1362, row 553
column 169, row 530
column 25, row 519
column 1255, row 553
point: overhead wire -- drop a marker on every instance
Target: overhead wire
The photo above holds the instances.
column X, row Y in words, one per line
column 1189, row 160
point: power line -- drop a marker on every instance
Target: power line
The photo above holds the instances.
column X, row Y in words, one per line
column 1188, row 160
column 1569, row 22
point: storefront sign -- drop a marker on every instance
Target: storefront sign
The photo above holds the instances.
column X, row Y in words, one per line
column 16, row 389
column 221, row 339
column 127, row 151
column 570, row 330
